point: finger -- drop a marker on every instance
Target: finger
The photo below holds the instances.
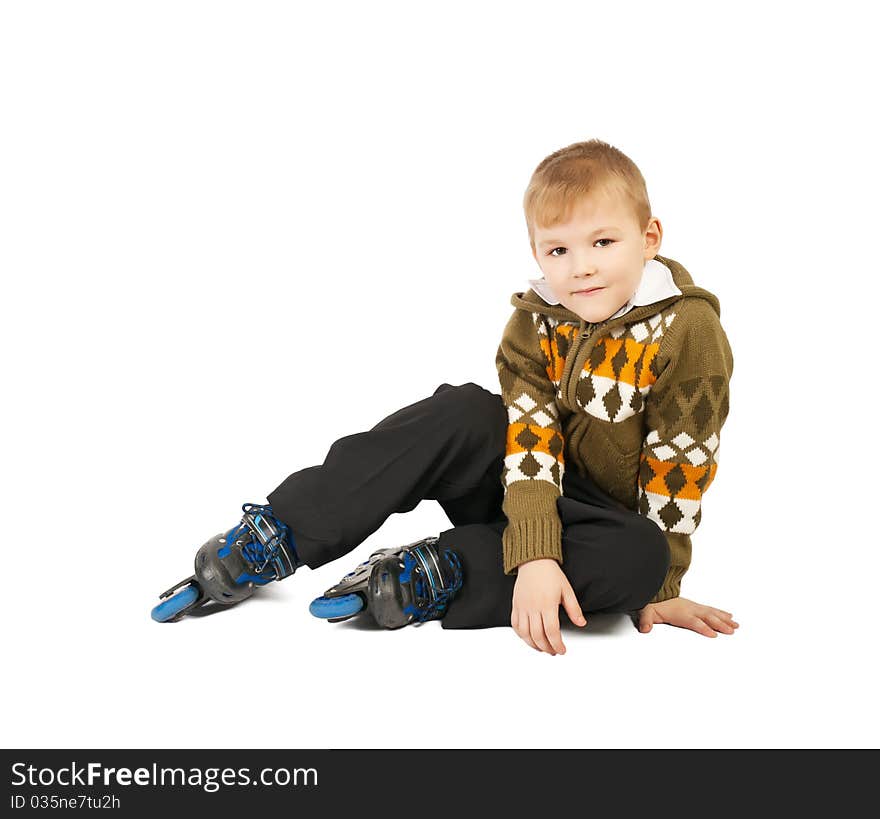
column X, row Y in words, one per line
column 646, row 622
column 551, row 629
column 696, row 624
column 536, row 629
column 727, row 618
column 719, row 624
column 514, row 620
column 522, row 631
column 527, row 639
column 573, row 608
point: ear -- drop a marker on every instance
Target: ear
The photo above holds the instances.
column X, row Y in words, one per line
column 653, row 238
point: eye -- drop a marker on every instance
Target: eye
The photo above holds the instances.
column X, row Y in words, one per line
column 553, row 252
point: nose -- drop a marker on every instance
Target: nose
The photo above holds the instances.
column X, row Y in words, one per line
column 586, row 271
column 584, row 265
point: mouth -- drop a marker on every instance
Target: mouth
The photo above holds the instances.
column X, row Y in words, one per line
column 588, row 291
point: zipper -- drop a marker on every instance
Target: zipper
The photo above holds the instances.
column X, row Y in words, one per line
column 586, row 332
column 583, row 335
column 579, row 349
column 568, row 385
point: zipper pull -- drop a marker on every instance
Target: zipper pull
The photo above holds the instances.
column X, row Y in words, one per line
column 588, row 331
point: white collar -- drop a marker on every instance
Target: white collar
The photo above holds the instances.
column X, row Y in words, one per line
column 656, row 284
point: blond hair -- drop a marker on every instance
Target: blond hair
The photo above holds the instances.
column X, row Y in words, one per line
column 577, row 171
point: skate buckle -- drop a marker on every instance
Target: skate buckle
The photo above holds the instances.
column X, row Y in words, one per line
column 268, row 542
column 178, row 586
column 432, row 601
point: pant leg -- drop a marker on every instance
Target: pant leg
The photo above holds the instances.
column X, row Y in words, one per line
column 448, row 447
column 614, row 558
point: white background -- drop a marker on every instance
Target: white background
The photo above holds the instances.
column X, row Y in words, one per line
column 233, row 232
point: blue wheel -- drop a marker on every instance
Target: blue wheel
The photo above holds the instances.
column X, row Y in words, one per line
column 172, row 606
column 331, row 608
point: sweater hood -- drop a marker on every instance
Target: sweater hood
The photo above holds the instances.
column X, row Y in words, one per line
column 529, row 300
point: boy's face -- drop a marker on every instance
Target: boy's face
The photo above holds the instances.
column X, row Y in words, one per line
column 600, row 247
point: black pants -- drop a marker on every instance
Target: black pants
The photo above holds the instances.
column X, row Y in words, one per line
column 450, row 448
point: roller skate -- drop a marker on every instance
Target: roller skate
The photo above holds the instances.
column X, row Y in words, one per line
column 229, row 566
column 396, row 586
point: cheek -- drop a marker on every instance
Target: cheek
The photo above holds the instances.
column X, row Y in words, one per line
column 625, row 280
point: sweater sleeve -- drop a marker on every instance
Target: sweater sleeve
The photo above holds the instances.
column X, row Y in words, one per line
column 684, row 413
column 533, row 464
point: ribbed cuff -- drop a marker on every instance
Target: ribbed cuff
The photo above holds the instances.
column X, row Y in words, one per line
column 530, row 539
column 671, row 584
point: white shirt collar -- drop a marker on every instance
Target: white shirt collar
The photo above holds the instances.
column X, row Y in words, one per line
column 656, row 284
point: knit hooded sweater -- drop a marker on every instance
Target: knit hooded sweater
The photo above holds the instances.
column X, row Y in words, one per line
column 637, row 401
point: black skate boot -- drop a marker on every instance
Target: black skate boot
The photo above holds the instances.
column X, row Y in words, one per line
column 253, row 553
column 396, row 586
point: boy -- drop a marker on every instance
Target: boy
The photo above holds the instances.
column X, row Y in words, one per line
column 578, row 486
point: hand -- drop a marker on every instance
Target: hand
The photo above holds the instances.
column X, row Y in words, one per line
column 678, row 611
column 539, row 589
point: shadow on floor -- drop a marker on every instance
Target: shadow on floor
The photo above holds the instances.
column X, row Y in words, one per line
column 600, row 625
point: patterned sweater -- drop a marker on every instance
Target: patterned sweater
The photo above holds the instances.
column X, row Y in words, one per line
column 637, row 401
